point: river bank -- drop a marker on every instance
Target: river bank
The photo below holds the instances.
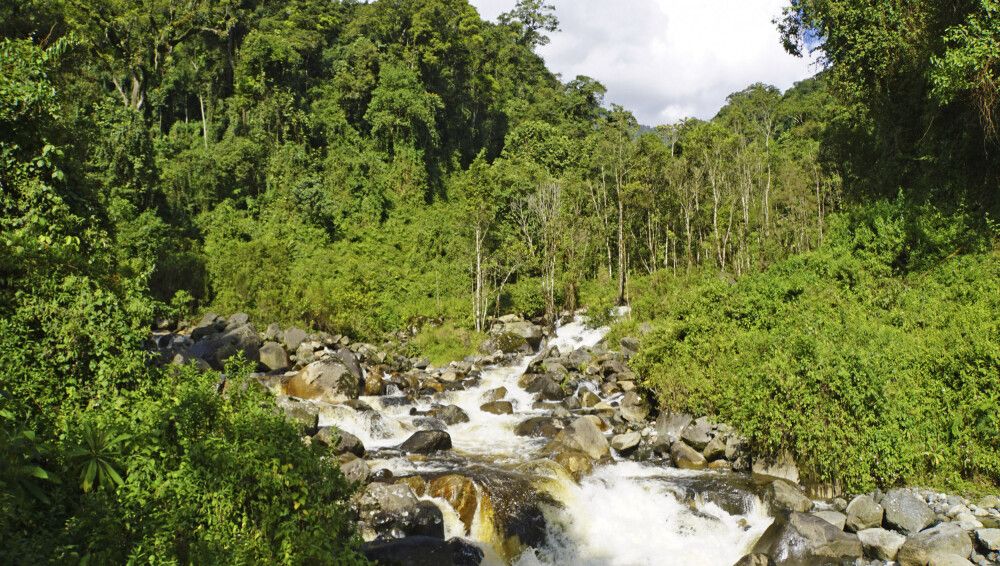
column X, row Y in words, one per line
column 546, row 451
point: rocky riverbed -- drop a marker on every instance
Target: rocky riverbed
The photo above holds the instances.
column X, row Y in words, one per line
column 547, row 451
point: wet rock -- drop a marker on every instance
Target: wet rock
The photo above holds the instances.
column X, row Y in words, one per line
column 835, row 518
column 423, row 551
column 720, row 465
column 905, row 512
column 716, row 448
column 881, row 543
column 426, row 442
column 427, row 520
column 634, row 408
column 785, row 496
column 293, row 338
column 806, row 539
column 863, row 513
column 685, row 457
column 326, row 380
column 588, row 398
column 584, row 436
column 698, row 434
column 460, row 492
column 548, row 389
column 495, row 394
column 273, row 356
column 349, row 360
column 531, row 333
column 758, row 559
column 920, row 548
column 626, row 443
column 498, row 408
column 450, row 414
column 296, row 410
column 781, row 466
column 538, row 426
column 575, row 462
column 356, row 470
column 374, row 383
column 340, row 441
column 429, row 423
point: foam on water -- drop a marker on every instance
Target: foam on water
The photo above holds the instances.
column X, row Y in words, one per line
column 625, row 513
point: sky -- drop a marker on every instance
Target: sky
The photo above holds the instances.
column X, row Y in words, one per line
column 668, row 59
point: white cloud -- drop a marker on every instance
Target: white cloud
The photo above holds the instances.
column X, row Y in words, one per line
column 668, row 59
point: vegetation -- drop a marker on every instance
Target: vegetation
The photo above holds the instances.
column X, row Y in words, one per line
column 367, row 167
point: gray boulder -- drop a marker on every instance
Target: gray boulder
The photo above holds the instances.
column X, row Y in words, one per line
column 273, row 356
column 293, row 338
column 806, row 539
column 356, row 470
column 905, row 512
column 698, row 434
column 634, row 408
column 626, row 443
column 450, row 414
column 326, row 380
column 583, row 435
column 716, row 449
column 341, row 441
column 498, row 407
column 863, row 513
column 685, row 457
column 881, row 543
column 835, row 518
column 426, row 442
column 989, row 539
column 785, row 496
column 780, row 466
column 669, row 426
column 537, row 426
column 423, row 551
column 920, row 548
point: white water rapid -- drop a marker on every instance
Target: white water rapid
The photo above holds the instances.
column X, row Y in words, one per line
column 624, row 513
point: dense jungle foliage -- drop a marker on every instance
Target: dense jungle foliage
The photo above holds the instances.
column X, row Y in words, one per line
column 367, row 167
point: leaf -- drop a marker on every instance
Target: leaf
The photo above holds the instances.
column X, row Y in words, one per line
column 88, row 476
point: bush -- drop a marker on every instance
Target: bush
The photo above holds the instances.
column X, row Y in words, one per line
column 874, row 359
column 446, row 343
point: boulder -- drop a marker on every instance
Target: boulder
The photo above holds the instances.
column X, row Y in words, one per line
column 806, row 539
column 906, row 512
column 237, row 320
column 350, row 361
column 297, row 410
column 340, row 441
column 506, row 342
column 787, row 497
column 584, row 436
column 218, row 348
column 863, row 513
column 537, row 426
column 293, row 338
column 498, row 408
column 273, row 332
column 426, row 442
column 630, row 346
column 326, row 380
column 450, row 414
column 495, row 394
column 989, row 539
column 460, row 492
column 685, row 457
column 835, row 518
column 374, row 384
column 670, row 425
column 781, row 466
column 423, row 551
column 429, row 423
column 210, row 324
column 698, row 434
column 531, row 333
column 588, row 398
column 716, row 448
column 634, row 408
column 626, row 443
column 575, row 462
column 758, row 559
column 356, row 470
column 273, row 356
column 946, row 538
column 880, row 543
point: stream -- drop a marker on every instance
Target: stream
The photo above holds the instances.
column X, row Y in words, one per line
column 529, row 511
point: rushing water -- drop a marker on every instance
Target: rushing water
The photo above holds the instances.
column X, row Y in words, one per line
column 624, row 513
